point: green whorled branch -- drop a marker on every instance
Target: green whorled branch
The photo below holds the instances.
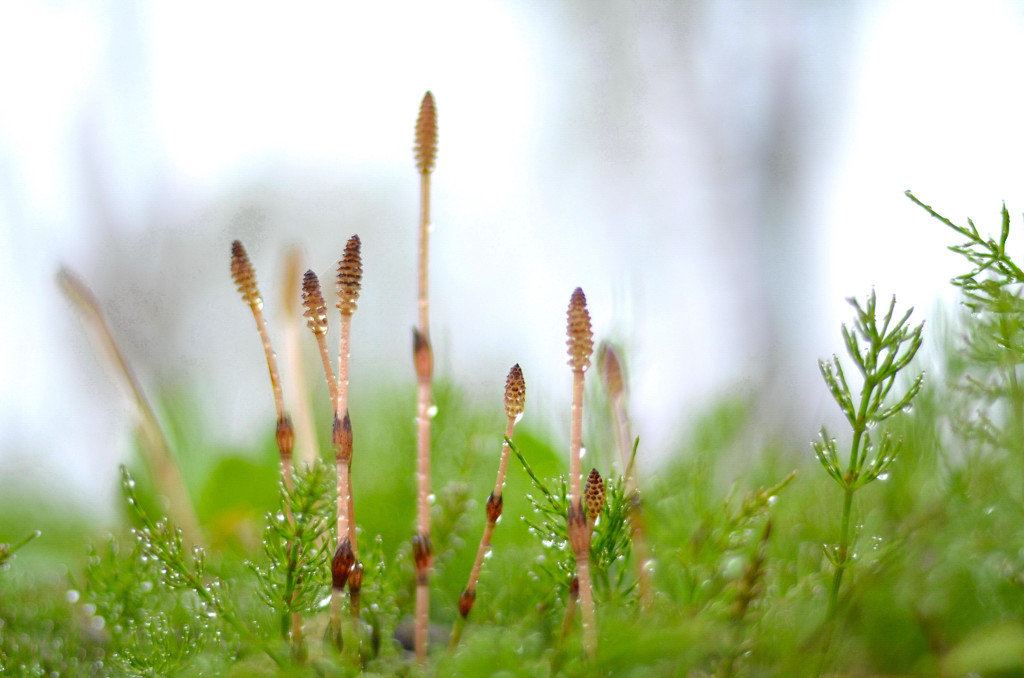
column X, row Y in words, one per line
column 162, row 541
column 880, row 350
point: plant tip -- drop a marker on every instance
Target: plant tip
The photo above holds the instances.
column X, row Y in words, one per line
column 313, row 301
column 426, row 134
column 578, row 329
column 350, row 276
column 243, row 274
column 515, row 392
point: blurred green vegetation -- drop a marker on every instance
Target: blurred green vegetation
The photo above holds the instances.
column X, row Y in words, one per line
column 938, row 586
column 741, row 579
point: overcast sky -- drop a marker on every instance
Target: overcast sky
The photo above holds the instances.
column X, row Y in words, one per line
column 718, row 176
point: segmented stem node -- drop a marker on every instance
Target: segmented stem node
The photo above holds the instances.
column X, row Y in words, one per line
column 515, row 392
column 578, row 532
column 341, row 438
column 494, row 506
column 578, row 329
column 341, row 564
column 426, row 135
column 285, row 436
column 422, row 355
column 244, row 275
column 313, row 301
column 593, row 494
column 422, row 554
column 466, row 601
column 355, row 577
column 350, row 276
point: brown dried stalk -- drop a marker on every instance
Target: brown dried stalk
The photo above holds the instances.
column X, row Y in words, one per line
column 581, row 346
column 515, row 402
column 611, row 370
column 244, row 275
column 296, row 391
column 156, row 451
column 423, row 358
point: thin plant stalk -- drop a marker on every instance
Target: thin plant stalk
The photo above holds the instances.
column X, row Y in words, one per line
column 426, row 154
column 244, row 276
column 614, row 381
column 515, row 401
column 348, row 286
column 345, row 555
column 422, row 549
column 316, row 318
column 157, row 455
column 581, row 346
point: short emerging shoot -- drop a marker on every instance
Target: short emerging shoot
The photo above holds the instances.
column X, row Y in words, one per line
column 515, row 402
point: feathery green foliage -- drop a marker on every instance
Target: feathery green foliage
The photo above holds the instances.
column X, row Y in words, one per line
column 887, row 349
column 926, row 577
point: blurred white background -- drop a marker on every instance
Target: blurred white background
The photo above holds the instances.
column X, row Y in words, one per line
column 717, row 175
